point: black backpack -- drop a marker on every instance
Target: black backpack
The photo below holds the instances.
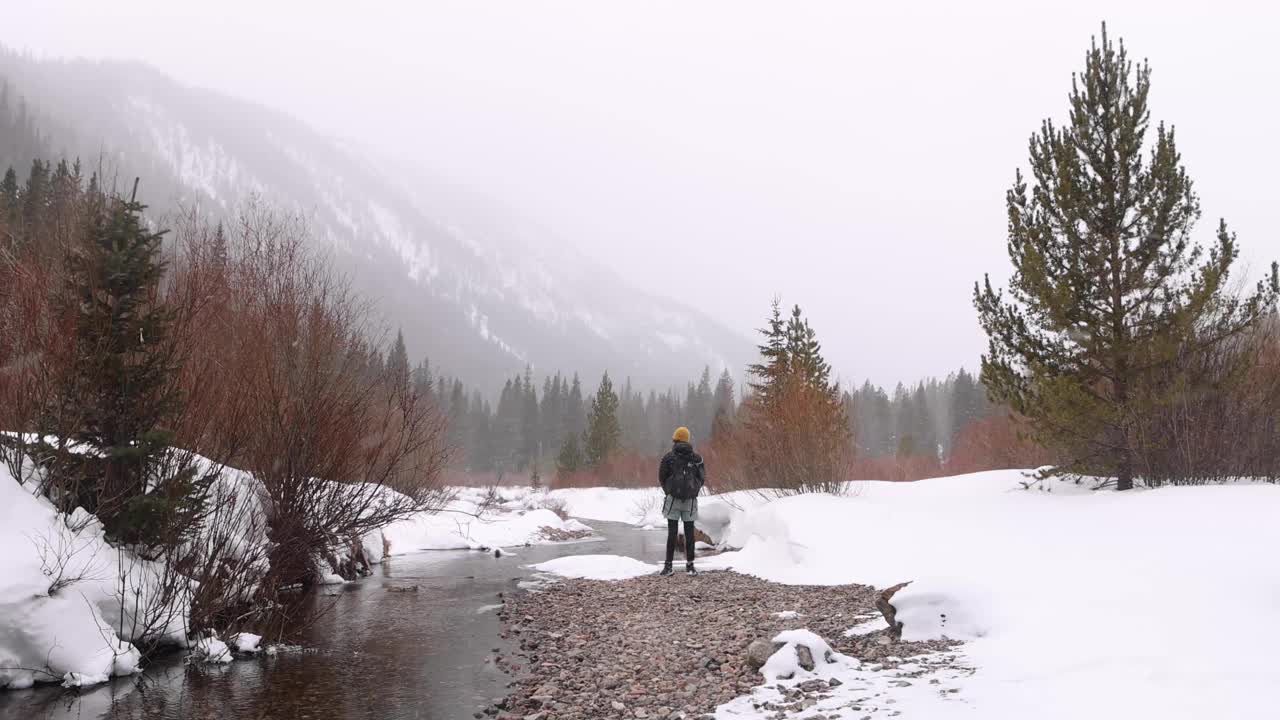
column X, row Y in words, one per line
column 685, row 482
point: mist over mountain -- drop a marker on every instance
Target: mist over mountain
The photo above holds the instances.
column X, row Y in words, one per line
column 480, row 290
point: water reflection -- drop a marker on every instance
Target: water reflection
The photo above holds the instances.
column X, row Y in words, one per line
column 374, row 653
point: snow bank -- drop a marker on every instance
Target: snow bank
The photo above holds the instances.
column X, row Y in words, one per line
column 246, row 642
column 621, row 505
column 643, row 507
column 597, row 567
column 72, row 606
column 59, row 585
column 1159, row 603
column 516, row 520
column 211, row 650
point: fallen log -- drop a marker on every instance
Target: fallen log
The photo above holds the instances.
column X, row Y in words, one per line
column 889, row 612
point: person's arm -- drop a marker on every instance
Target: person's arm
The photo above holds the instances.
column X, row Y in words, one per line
column 702, row 471
column 664, row 470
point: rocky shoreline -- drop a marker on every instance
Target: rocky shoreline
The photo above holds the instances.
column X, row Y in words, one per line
column 677, row 647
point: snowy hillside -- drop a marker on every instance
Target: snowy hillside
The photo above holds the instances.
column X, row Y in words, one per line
column 478, row 289
column 1068, row 603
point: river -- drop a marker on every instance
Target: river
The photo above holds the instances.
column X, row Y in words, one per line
column 374, row 653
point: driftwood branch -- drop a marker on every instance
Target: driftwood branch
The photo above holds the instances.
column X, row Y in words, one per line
column 889, row 612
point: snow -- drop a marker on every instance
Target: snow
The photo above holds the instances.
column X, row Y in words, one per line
column 211, row 650
column 58, row 587
column 517, row 519
column 1152, row 603
column 632, row 506
column 246, row 642
column 642, row 507
column 784, row 663
column 72, row 606
column 597, row 567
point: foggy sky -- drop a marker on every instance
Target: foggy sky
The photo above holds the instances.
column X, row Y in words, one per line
column 853, row 160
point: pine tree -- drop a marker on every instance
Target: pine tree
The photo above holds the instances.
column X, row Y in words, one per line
column 1108, row 290
column 603, row 432
column 570, row 458
column 551, row 413
column 805, row 352
column 36, row 198
column 458, row 429
column 480, row 450
column 775, row 362
column 10, row 203
column 506, row 425
column 422, row 380
column 968, row 402
column 398, row 364
column 800, row 438
column 121, row 390
column 575, row 415
column 722, row 402
column 530, row 442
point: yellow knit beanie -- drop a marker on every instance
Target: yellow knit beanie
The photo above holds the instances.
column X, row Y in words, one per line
column 681, row 434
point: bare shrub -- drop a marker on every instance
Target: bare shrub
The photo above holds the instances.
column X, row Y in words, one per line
column 557, row 506
column 798, row 441
column 1002, row 441
column 624, row 469
column 340, row 446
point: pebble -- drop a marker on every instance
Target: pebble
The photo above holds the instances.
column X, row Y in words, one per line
column 668, row 648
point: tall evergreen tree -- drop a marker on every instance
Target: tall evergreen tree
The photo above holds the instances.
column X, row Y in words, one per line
column 575, row 414
column 530, row 440
column 480, row 452
column 398, row 362
column 459, row 416
column 800, row 438
column 1108, row 290
column 551, row 413
column 723, row 408
column 805, row 352
column 775, row 362
column 10, row 202
column 121, row 392
column 36, row 199
column 603, row 432
column 569, row 459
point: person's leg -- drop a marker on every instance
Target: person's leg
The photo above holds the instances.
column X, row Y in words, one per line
column 688, row 541
column 672, row 530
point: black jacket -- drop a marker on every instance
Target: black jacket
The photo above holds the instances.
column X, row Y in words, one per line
column 684, row 451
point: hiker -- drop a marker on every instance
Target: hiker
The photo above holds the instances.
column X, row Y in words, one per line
column 681, row 475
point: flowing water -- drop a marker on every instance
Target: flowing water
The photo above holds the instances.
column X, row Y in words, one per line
column 374, row 653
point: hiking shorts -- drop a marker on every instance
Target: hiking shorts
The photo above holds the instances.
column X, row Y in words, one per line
column 676, row 509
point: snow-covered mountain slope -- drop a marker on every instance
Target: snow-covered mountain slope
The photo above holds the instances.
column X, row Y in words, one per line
column 478, row 289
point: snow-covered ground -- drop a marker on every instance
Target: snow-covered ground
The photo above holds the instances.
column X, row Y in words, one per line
column 643, row 507
column 517, row 518
column 1071, row 603
column 60, row 595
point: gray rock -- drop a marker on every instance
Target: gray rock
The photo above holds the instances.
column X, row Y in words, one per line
column 759, row 652
column 805, row 657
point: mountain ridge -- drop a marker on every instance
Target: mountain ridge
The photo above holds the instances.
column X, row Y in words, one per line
column 480, row 290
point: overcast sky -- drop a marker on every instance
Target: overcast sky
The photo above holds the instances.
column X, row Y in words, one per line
column 851, row 159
